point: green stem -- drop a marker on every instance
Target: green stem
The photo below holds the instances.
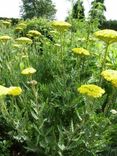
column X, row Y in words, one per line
column 111, row 101
column 103, row 62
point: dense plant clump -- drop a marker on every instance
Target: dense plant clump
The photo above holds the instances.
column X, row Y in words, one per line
column 58, row 89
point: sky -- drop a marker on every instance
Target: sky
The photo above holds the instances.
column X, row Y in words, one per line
column 10, row 8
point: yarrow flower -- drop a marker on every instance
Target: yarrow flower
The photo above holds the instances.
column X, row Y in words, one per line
column 22, row 25
column 28, row 71
column 3, row 90
column 34, row 33
column 91, row 90
column 61, row 25
column 81, row 51
column 18, row 29
column 5, row 38
column 111, row 76
column 6, row 23
column 14, row 91
column 107, row 35
column 24, row 40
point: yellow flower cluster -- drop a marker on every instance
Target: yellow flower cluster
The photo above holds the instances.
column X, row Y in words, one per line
column 81, row 51
column 111, row 76
column 5, row 38
column 3, row 90
column 34, row 33
column 24, row 40
column 6, row 23
column 14, row 91
column 20, row 27
column 91, row 90
column 61, row 25
column 28, row 71
column 107, row 35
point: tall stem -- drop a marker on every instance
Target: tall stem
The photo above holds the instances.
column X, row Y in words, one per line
column 103, row 62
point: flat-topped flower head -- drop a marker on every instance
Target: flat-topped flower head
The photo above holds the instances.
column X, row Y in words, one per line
column 22, row 25
column 34, row 33
column 24, row 40
column 61, row 25
column 18, row 29
column 91, row 90
column 14, row 91
column 5, row 38
column 6, row 23
column 28, row 71
column 3, row 90
column 111, row 76
column 80, row 51
column 107, row 35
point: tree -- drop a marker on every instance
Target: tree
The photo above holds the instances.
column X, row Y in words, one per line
column 97, row 11
column 38, row 8
column 78, row 10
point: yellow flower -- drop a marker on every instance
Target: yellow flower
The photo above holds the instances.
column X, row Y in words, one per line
column 81, row 51
column 22, row 25
column 3, row 90
column 61, row 25
column 107, row 35
column 5, row 38
column 114, row 82
column 24, row 40
column 91, row 90
column 109, row 75
column 14, row 91
column 18, row 29
column 28, row 71
column 34, row 33
column 6, row 23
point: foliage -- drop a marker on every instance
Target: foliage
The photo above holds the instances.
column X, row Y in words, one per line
column 78, row 10
column 50, row 117
column 111, row 24
column 38, row 8
column 96, row 12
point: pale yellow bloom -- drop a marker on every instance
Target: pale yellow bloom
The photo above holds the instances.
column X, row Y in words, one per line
column 18, row 29
column 22, row 25
column 111, row 76
column 81, row 51
column 6, row 23
column 91, row 90
column 28, row 71
column 5, row 38
column 34, row 33
column 14, row 91
column 3, row 90
column 24, row 40
column 61, row 25
column 107, row 35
